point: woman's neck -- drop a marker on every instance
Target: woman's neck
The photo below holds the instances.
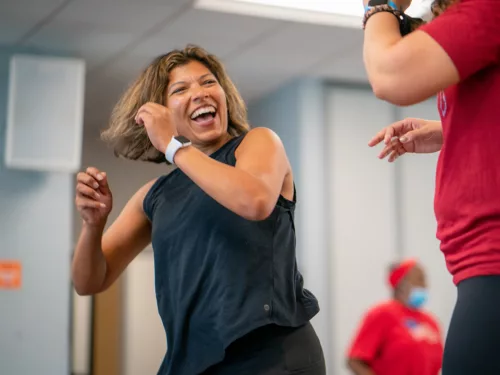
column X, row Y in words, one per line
column 210, row 148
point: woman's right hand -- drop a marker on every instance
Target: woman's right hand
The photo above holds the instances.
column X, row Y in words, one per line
column 409, row 135
column 93, row 199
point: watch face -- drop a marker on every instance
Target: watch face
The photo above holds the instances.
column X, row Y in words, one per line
column 182, row 139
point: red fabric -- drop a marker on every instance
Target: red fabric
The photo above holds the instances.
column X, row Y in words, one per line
column 467, row 198
column 400, row 271
column 395, row 340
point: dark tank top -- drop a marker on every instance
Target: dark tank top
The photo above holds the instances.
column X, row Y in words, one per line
column 219, row 276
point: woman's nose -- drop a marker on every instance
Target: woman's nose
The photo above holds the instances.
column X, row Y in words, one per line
column 199, row 94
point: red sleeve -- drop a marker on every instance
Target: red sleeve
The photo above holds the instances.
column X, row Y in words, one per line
column 469, row 32
column 369, row 336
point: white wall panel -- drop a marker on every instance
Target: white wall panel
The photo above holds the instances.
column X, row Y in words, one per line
column 418, row 224
column 362, row 211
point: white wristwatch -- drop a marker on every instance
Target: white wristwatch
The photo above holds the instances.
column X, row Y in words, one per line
column 176, row 143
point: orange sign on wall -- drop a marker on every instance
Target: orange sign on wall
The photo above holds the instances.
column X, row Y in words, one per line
column 10, row 274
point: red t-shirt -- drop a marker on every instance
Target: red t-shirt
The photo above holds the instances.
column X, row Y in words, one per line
column 467, row 198
column 395, row 340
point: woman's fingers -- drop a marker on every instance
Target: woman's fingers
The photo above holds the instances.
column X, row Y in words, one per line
column 84, row 202
column 87, row 179
column 394, row 149
column 87, row 191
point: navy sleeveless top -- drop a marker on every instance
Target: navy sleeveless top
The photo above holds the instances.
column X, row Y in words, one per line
column 219, row 276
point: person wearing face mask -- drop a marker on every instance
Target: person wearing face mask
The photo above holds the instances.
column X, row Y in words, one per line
column 221, row 225
column 397, row 337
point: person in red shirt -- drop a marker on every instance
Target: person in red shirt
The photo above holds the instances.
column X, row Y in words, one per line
column 397, row 337
column 456, row 57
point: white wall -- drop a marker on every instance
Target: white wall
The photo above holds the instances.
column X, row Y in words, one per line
column 141, row 322
column 296, row 113
column 362, row 211
column 36, row 220
column 357, row 213
column 418, row 225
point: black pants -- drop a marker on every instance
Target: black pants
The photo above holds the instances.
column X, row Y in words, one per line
column 273, row 350
column 473, row 341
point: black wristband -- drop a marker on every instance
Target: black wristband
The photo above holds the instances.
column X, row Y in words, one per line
column 381, row 8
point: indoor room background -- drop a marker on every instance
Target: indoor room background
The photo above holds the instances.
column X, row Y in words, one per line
column 301, row 74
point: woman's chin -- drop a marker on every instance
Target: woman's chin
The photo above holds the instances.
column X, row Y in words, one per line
column 208, row 136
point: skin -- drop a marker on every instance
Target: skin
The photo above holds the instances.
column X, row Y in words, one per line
column 409, row 135
column 404, row 70
column 414, row 278
column 250, row 189
column 399, row 75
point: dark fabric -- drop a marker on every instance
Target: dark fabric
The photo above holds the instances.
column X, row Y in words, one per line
column 219, row 276
column 274, row 350
column 473, row 341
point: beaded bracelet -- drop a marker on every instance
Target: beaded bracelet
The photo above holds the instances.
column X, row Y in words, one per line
column 407, row 24
column 381, row 8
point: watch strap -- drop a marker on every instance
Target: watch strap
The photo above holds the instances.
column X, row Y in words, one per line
column 175, row 144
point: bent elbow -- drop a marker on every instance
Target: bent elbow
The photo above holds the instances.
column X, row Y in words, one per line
column 83, row 291
column 260, row 208
column 86, row 287
column 394, row 91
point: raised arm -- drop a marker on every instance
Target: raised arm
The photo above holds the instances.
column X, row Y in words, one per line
column 251, row 188
column 458, row 43
column 99, row 258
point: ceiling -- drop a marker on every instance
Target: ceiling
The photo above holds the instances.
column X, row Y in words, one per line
column 119, row 37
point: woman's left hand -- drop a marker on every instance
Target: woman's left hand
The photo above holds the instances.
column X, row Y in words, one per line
column 401, row 4
column 159, row 123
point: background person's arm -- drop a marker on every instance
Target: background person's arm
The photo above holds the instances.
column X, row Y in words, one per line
column 358, row 367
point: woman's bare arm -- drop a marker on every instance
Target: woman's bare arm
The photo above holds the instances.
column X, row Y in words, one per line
column 100, row 258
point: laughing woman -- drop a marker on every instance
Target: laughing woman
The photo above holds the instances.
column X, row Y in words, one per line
column 221, row 224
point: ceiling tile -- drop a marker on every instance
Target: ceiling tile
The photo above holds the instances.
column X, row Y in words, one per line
column 296, row 49
column 217, row 32
column 19, row 17
column 96, row 30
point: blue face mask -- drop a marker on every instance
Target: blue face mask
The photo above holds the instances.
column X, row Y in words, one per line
column 417, row 298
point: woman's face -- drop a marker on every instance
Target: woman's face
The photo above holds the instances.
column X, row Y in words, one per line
column 416, row 277
column 198, row 103
column 413, row 289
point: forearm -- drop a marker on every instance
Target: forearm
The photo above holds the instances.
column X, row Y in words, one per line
column 233, row 188
column 360, row 368
column 89, row 263
column 437, row 125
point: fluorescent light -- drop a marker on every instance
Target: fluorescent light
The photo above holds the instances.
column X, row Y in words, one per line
column 342, row 13
column 353, row 8
column 326, row 12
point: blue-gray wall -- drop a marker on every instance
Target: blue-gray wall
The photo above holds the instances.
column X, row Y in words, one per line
column 35, row 228
column 280, row 112
column 296, row 113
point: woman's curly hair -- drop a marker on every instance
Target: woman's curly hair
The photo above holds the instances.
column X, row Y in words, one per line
column 439, row 6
